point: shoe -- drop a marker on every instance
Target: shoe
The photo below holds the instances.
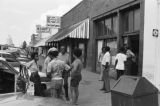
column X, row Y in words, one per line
column 102, row 89
column 107, row 91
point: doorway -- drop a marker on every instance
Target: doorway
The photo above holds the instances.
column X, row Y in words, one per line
column 133, row 43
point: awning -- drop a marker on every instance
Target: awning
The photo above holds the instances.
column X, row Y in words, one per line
column 79, row 30
column 42, row 42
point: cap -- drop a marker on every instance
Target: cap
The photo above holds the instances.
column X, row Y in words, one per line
column 52, row 49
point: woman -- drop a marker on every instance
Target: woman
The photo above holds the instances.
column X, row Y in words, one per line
column 34, row 77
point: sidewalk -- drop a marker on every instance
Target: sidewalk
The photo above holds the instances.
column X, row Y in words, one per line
column 90, row 95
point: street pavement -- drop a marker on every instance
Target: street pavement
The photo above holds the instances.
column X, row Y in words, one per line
column 90, row 95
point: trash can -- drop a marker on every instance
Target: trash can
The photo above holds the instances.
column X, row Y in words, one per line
column 134, row 91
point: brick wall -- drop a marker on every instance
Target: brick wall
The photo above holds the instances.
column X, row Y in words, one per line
column 76, row 14
column 103, row 6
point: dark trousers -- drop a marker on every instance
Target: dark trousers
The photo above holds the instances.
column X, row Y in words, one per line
column 37, row 84
column 106, row 80
column 65, row 86
column 120, row 73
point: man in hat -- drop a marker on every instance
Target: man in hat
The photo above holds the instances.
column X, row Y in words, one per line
column 55, row 69
column 48, row 58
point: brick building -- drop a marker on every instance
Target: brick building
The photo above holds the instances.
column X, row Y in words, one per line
column 117, row 23
column 74, row 30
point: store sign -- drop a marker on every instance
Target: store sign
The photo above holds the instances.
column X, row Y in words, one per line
column 53, row 21
column 155, row 32
column 42, row 29
column 45, row 29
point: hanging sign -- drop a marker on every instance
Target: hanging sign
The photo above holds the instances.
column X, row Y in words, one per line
column 53, row 21
column 42, row 29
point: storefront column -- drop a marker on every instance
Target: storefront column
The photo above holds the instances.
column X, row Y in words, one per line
column 120, row 31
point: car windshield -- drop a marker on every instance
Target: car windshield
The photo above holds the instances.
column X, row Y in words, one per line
column 7, row 56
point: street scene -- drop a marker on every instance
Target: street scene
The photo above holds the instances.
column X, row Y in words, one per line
column 79, row 52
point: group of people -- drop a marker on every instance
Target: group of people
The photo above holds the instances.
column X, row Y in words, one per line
column 124, row 62
column 58, row 68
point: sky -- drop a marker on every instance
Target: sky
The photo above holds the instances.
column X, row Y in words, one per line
column 18, row 18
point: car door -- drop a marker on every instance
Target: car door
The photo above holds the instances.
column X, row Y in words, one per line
column 7, row 78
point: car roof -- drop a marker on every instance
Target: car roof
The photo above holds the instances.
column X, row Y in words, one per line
column 4, row 52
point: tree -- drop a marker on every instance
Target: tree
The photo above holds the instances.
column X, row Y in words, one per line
column 24, row 45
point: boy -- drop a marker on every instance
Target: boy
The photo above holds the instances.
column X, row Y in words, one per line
column 76, row 76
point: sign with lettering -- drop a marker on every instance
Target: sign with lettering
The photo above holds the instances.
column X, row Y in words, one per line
column 45, row 29
column 54, row 21
column 42, row 29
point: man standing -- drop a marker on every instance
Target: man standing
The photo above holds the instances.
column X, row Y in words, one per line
column 100, row 62
column 105, row 68
column 64, row 56
column 48, row 59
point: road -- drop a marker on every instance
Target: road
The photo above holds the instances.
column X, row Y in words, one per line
column 90, row 95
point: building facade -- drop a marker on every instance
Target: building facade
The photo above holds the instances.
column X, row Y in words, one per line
column 117, row 23
column 135, row 23
column 74, row 32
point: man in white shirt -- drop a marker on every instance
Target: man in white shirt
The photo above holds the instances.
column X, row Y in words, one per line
column 105, row 68
column 120, row 62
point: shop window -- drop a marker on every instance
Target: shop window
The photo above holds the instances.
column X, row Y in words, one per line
column 131, row 20
column 100, row 28
column 136, row 19
column 115, row 25
column 108, row 26
column 112, row 43
column 99, row 47
column 126, row 22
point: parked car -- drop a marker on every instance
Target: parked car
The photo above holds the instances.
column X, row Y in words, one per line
column 8, row 77
column 11, row 59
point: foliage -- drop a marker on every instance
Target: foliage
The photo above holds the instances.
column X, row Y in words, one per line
column 24, row 45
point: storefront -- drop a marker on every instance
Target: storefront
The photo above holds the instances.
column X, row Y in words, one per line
column 75, row 36
column 119, row 26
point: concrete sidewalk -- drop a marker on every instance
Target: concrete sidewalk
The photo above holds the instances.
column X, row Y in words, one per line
column 90, row 95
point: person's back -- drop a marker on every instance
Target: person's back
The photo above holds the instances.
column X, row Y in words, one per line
column 121, row 57
column 57, row 67
column 120, row 62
